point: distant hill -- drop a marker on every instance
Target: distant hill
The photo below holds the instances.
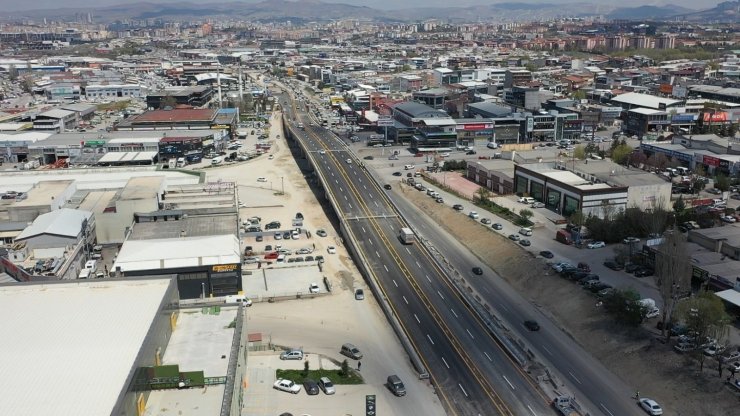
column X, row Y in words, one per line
column 727, row 12
column 315, row 10
column 647, row 12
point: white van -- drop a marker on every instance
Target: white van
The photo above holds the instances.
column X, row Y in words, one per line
column 408, row 167
column 526, row 200
column 91, row 265
column 525, row 232
column 84, row 274
column 217, row 160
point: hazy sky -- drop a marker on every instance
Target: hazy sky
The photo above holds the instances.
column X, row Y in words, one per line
column 379, row 4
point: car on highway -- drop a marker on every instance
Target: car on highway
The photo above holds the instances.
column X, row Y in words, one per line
column 326, row 385
column 651, row 407
column 349, row 161
column 525, row 242
column 596, row 244
column 477, row 271
column 331, row 250
column 532, row 325
column 547, row 254
column 514, row 237
column 359, row 294
column 497, row 226
column 321, row 232
column 287, row 386
column 311, row 387
column 322, row 152
column 458, row 207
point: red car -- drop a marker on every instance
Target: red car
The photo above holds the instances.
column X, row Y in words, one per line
column 272, row 256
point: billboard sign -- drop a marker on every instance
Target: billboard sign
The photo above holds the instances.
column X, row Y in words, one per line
column 718, row 117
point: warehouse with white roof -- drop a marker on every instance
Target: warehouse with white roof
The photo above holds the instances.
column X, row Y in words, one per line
column 77, row 348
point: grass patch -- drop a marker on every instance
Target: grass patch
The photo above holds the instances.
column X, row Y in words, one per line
column 113, row 106
column 299, row 375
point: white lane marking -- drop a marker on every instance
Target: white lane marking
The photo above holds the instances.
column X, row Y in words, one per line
column 430, row 339
column 463, row 390
column 440, row 295
column 364, row 186
column 418, row 264
column 546, row 350
column 607, row 410
column 574, row 377
column 371, row 195
column 417, row 319
column 394, row 282
column 386, row 268
column 363, row 230
column 340, row 189
column 405, row 300
column 510, row 385
column 445, row 361
column 376, row 203
column 371, row 242
column 530, row 409
column 469, row 333
column 430, row 280
column 453, row 312
column 350, row 206
column 488, row 356
column 407, row 250
column 377, row 254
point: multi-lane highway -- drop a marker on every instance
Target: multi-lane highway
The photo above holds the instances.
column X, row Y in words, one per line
column 470, row 371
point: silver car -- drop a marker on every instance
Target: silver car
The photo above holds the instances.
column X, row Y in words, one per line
column 326, row 385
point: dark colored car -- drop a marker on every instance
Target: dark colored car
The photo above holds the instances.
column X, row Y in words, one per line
column 387, row 187
column 397, row 174
column 631, row 268
column 477, row 271
column 286, row 235
column 547, row 254
column 612, row 265
column 497, row 226
column 368, row 158
column 588, row 278
column 532, row 325
column 458, row 207
column 644, row 272
column 274, row 225
column 312, row 387
column 258, row 238
column 597, row 286
column 525, row 243
column 584, row 266
column 470, row 152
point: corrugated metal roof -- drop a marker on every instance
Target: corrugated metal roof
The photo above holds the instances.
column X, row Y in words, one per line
column 63, row 222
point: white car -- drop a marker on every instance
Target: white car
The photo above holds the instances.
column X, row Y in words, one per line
column 651, row 407
column 314, row 288
column 331, row 250
column 474, row 215
column 558, row 267
column 596, row 244
column 261, row 179
column 322, row 152
column 349, row 161
column 271, row 157
column 287, row 385
column 445, row 154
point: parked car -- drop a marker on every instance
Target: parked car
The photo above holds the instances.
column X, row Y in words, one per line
column 314, row 288
column 596, row 244
column 321, row 232
column 644, row 272
column 292, row 355
column 387, row 187
column 612, row 265
column 326, row 385
column 631, row 268
column 477, row 271
column 584, row 266
column 395, row 385
column 359, row 294
column 525, row 242
column 331, row 250
column 630, row 240
column 538, row 205
column 731, row 356
column 497, row 226
column 311, row 386
column 485, row 221
column 351, row 351
column 474, row 215
column 514, row 237
column 458, row 207
column 546, row 254
column 684, row 347
column 651, row 407
column 287, row 385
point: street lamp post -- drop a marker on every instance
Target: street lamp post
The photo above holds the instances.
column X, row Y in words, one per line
column 202, row 290
column 282, row 185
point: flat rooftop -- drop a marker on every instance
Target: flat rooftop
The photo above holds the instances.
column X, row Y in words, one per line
column 43, row 193
column 192, row 226
column 76, row 346
column 167, row 253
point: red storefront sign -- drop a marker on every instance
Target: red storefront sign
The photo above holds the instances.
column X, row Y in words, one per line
column 711, row 161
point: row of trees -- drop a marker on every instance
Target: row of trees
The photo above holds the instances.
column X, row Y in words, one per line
column 615, row 225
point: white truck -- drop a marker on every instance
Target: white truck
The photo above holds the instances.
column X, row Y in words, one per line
column 406, row 236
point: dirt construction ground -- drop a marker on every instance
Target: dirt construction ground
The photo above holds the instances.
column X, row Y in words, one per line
column 636, row 356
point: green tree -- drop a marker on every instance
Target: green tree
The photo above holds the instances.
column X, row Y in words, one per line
column 705, row 316
column 625, row 306
column 672, row 273
column 578, row 95
column 344, row 372
column 306, row 368
column 722, row 183
column 579, row 152
column 483, row 195
column 621, row 153
column 679, row 206
column 526, row 214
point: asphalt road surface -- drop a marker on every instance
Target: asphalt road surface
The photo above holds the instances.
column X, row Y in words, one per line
column 471, row 372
